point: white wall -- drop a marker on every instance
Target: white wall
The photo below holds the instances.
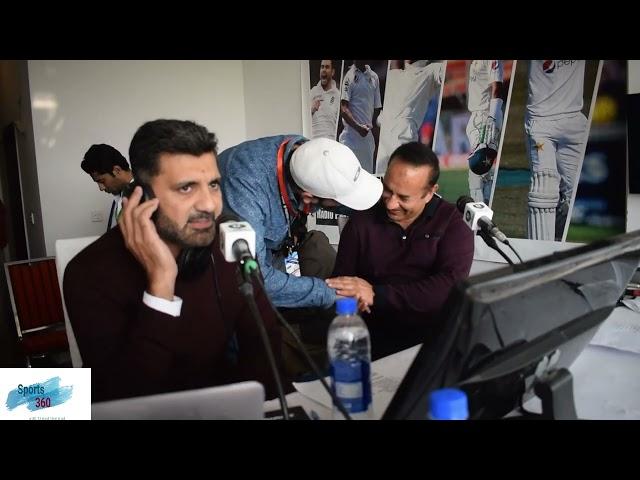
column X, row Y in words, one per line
column 78, row 103
column 273, row 101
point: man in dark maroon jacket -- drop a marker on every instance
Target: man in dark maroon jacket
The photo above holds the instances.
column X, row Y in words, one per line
column 402, row 257
column 153, row 305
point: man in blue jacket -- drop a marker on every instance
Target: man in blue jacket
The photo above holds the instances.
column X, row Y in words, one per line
column 272, row 183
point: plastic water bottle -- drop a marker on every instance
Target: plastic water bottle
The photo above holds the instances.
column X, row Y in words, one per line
column 448, row 404
column 349, row 349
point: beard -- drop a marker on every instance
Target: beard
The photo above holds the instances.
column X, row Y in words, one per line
column 195, row 253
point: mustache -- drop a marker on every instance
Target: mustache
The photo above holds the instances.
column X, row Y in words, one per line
column 202, row 216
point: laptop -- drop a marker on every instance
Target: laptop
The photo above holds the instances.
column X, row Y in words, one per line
column 237, row 401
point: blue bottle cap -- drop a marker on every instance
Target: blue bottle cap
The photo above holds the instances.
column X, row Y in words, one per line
column 346, row 306
column 448, row 404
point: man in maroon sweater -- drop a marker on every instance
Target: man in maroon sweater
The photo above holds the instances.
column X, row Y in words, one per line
column 402, row 257
column 153, row 305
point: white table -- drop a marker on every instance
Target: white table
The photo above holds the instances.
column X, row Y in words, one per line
column 606, row 380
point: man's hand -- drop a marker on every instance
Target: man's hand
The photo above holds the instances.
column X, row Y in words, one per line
column 315, row 105
column 142, row 240
column 363, row 129
column 354, row 287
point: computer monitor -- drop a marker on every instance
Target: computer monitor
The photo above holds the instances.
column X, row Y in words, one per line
column 514, row 331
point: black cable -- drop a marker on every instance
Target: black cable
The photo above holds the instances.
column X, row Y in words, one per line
column 490, row 241
column 494, row 322
column 246, row 288
column 307, row 357
column 508, row 244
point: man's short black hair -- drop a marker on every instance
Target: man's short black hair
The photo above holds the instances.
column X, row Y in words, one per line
column 101, row 158
column 167, row 136
column 418, row 155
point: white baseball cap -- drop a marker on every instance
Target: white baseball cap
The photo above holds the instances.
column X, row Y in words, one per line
column 328, row 169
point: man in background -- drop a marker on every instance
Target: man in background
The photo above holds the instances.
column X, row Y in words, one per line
column 556, row 131
column 325, row 103
column 360, row 106
column 410, row 86
column 110, row 170
column 484, row 101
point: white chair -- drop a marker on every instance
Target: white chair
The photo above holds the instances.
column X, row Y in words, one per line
column 66, row 249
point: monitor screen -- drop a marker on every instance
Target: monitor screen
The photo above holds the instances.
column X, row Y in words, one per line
column 508, row 330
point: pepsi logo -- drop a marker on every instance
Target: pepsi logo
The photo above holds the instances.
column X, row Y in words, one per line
column 548, row 66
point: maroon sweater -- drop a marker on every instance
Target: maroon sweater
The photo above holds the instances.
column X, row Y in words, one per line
column 135, row 350
column 412, row 271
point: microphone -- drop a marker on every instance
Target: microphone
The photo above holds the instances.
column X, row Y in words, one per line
column 237, row 238
column 477, row 216
column 238, row 244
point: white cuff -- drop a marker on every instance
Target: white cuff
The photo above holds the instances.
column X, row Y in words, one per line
column 172, row 308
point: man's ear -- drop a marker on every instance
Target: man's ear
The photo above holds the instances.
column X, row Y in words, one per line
column 116, row 170
column 435, row 188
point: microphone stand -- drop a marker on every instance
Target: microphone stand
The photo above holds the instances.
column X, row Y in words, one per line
column 247, row 266
column 337, row 402
column 491, row 242
column 508, row 244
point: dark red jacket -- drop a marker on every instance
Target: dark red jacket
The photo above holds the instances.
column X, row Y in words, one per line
column 135, row 350
column 412, row 271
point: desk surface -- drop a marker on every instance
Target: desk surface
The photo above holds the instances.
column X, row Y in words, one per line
column 606, row 382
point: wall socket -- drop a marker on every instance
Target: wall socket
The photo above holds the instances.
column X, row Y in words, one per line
column 97, row 216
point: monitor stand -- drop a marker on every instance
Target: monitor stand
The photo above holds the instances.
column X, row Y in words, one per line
column 555, row 390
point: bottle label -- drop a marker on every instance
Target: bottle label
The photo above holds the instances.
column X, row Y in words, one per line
column 351, row 382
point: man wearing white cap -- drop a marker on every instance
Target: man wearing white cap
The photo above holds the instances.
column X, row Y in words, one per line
column 273, row 183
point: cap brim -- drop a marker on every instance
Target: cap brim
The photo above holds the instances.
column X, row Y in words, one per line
column 366, row 192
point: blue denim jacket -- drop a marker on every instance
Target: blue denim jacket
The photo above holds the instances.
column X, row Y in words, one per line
column 250, row 189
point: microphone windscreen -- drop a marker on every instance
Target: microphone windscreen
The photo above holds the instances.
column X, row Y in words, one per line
column 462, row 202
column 227, row 216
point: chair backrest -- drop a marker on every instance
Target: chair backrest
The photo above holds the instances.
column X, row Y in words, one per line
column 35, row 296
column 66, row 249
